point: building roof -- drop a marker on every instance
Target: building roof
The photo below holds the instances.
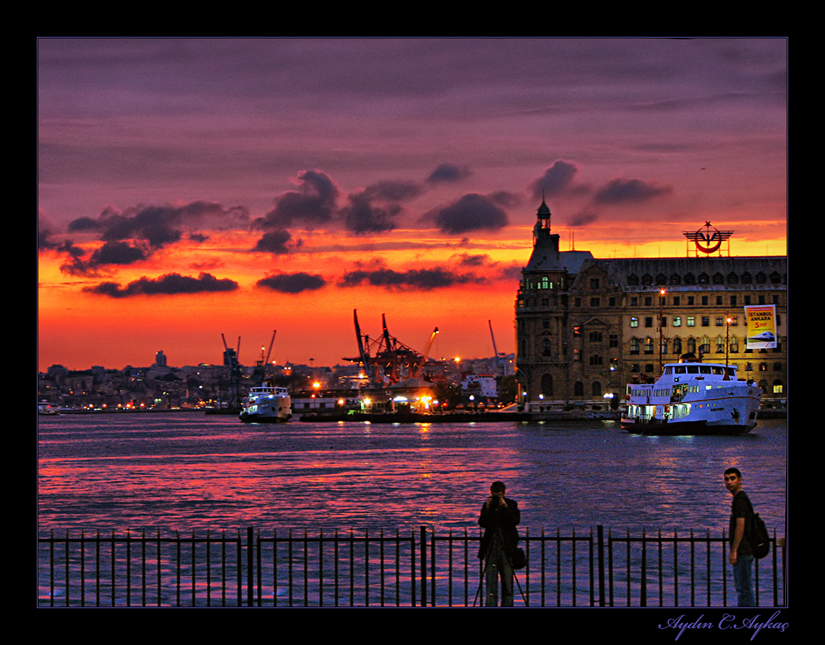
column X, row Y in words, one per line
column 692, row 271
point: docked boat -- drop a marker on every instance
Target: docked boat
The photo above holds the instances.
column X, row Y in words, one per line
column 692, row 398
column 47, row 409
column 266, row 404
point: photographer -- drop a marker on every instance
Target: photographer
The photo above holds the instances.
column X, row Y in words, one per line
column 499, row 517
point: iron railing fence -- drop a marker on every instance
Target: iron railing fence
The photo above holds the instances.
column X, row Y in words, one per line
column 416, row 568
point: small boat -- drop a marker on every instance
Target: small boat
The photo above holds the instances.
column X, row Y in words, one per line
column 692, row 398
column 47, row 409
column 266, row 404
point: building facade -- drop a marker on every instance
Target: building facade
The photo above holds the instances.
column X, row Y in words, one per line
column 586, row 327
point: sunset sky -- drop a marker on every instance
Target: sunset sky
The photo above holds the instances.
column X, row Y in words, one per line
column 198, row 187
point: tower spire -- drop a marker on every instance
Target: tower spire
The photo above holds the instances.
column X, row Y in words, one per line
column 543, row 214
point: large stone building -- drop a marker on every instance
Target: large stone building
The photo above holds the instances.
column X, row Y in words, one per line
column 586, row 327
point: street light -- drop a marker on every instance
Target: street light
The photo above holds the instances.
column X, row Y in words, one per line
column 728, row 321
column 662, row 293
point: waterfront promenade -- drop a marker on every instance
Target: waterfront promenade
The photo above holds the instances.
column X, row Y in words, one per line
column 598, row 568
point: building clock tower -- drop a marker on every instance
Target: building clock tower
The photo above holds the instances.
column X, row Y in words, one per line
column 541, row 316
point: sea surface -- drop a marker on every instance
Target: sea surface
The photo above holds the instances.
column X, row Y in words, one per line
column 188, row 471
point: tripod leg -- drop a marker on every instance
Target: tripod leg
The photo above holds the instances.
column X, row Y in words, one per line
column 492, row 585
column 482, row 578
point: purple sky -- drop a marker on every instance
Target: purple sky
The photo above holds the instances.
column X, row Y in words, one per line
column 373, row 146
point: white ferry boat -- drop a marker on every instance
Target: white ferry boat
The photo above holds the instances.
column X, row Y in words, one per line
column 692, row 398
column 266, row 404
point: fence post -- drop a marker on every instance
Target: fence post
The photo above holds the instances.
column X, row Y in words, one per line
column 250, row 575
column 423, row 537
column 600, row 534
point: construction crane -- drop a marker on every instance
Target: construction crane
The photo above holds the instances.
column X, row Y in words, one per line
column 430, row 344
column 230, row 359
column 269, row 353
column 495, row 350
column 385, row 359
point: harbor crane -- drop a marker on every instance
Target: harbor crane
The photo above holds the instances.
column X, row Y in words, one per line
column 230, row 359
column 499, row 370
column 265, row 361
column 387, row 360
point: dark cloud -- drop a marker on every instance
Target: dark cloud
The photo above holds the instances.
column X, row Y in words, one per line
column 492, row 269
column 583, row 218
column 120, row 253
column 505, row 199
column 293, row 283
column 312, row 204
column 416, row 279
column 83, row 225
column 75, row 264
column 170, row 284
column 448, row 173
column 135, row 234
column 512, row 273
column 156, row 225
column 621, row 191
column 475, row 260
column 556, row 180
column 108, row 255
column 362, row 217
column 472, row 212
column 276, row 242
column 392, row 190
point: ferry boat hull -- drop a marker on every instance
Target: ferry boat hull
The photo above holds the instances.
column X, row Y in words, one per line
column 684, row 428
column 266, row 404
column 693, row 399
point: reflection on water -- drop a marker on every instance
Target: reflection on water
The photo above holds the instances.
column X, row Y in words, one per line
column 188, row 471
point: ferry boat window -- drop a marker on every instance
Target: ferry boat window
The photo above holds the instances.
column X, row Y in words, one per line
column 693, row 369
column 680, row 369
column 704, row 369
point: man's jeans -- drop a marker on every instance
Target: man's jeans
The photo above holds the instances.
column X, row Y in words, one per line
column 499, row 563
column 743, row 581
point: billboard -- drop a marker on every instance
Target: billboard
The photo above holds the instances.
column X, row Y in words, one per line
column 761, row 322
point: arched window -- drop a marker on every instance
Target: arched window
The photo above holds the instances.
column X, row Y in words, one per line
column 677, row 346
column 547, row 384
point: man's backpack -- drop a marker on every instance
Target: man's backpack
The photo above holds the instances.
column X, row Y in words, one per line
column 759, row 538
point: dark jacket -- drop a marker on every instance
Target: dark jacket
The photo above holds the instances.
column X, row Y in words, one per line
column 741, row 507
column 503, row 518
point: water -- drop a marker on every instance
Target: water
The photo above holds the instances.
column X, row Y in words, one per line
column 192, row 472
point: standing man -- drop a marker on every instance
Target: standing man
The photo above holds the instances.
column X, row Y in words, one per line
column 499, row 517
column 741, row 554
